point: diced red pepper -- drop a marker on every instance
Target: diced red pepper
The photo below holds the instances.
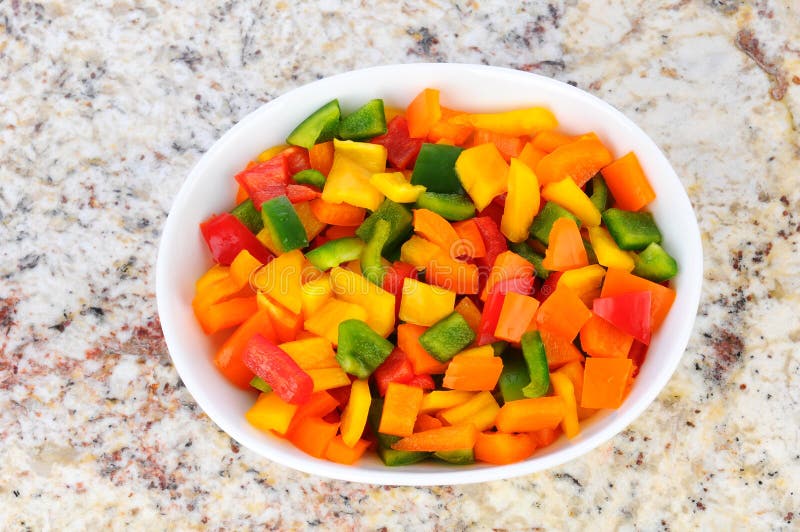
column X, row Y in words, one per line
column 422, row 381
column 296, row 158
column 278, row 369
column 494, row 304
column 341, row 394
column 493, row 239
column 393, row 280
column 396, row 368
column 226, row 236
column 629, row 312
column 548, row 287
column 301, row 193
column 401, row 149
column 494, row 211
column 266, row 180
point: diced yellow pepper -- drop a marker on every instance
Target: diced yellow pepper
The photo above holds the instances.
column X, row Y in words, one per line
column 325, row 322
column 481, row 410
column 216, row 273
column 522, row 201
column 348, row 182
column 314, row 294
column 354, row 288
column 481, row 351
column 370, row 156
column 607, row 251
column 419, row 252
column 265, row 237
column 243, row 266
column 396, row 187
column 281, row 279
column 310, row 222
column 423, row 304
column 354, row 417
column 327, row 378
column 269, row 153
column 515, row 123
column 483, row 173
column 311, row 353
column 271, row 413
column 441, row 399
column 585, row 282
column 563, row 388
column 568, row 194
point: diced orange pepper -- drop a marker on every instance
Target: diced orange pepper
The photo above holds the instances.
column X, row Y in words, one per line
column 241, row 195
column 328, row 378
column 226, row 314
column 337, row 451
column 515, row 315
column 441, row 399
column 454, row 275
column 286, row 323
column 270, row 412
column 471, row 373
column 580, row 160
column 551, row 139
column 426, row 422
column 574, row 372
column 471, row 242
column 445, row 129
column 531, row 156
column 600, row 338
column 312, row 435
column 321, row 157
column 544, row 437
column 480, row 410
column 508, row 146
column 282, row 280
column 563, row 313
column 400, row 409
column 565, row 250
column 621, row 282
column 340, row 231
column 216, row 291
column 408, row 341
column 605, row 381
column 627, row 183
column 436, row 229
column 311, row 223
column 320, row 404
column 422, row 113
column 243, row 266
column 526, row 415
column 507, row 265
column 500, row 448
column 441, row 439
column 337, row 213
column 470, row 312
column 228, row 358
column 559, row 350
column 325, row 322
column 216, row 273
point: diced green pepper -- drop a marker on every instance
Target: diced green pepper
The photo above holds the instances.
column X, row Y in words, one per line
column 453, row 207
column 259, row 384
column 361, row 349
column 590, row 254
column 399, row 218
column 283, row 224
column 389, row 456
column 321, row 126
column 631, row 231
column 499, row 347
column 366, row 122
column 435, row 168
column 524, row 250
column 371, row 267
column 312, row 177
column 247, row 214
column 543, row 222
column 335, row 252
column 457, row 457
column 514, row 378
column 536, row 360
column 655, row 264
column 447, row 337
column 599, row 195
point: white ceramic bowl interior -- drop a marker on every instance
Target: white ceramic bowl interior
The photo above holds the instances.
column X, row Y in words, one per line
column 210, row 188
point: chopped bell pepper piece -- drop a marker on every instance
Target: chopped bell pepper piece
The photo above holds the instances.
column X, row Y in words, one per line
column 473, row 373
column 563, row 302
column 600, row 338
column 401, row 149
column 361, row 349
column 337, row 451
column 326, row 320
column 522, row 202
column 607, row 252
column 568, row 195
column 630, row 313
column 585, row 282
column 500, row 448
column 226, row 236
column 494, row 305
column 354, row 417
column 340, row 214
column 389, row 456
column 509, row 146
column 354, row 288
column 396, row 368
column 443, row 399
column 400, row 409
column 516, row 313
column 628, row 184
column 367, row 155
column 563, row 388
column 524, row 250
column 371, row 267
column 320, row 157
column 310, row 177
column 543, row 222
column 507, row 266
column 393, row 280
column 270, row 412
column 312, row 435
column 399, row 218
column 453, row 207
column 335, row 252
column 229, row 358
column 605, row 381
column 394, row 186
column 435, row 168
column 599, row 195
column 559, row 350
column 470, row 312
column 246, row 213
column 493, row 240
column 479, row 410
column 328, row 378
column 457, row 456
column 281, row 279
column 661, row 297
column 260, row 384
column 281, row 220
column 536, row 361
column 408, row 341
column 365, row 122
column 319, row 127
column 579, row 160
column 348, row 182
column 566, row 248
column 518, row 122
column 471, row 243
column 631, row 230
column 277, row 369
column 655, row 264
column 527, row 415
column 423, row 112
column 483, row 173
column 447, row 337
column 455, row 438
column 423, row 304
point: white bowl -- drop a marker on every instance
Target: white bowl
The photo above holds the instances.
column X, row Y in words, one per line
column 210, row 188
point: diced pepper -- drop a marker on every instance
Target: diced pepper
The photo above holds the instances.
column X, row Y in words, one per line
column 471, row 243
column 396, row 368
column 483, row 173
column 457, row 457
column 559, row 350
column 605, row 381
column 447, row 337
column 348, row 182
column 522, row 202
column 568, row 195
column 339, row 231
column 400, row 409
column 399, row 219
column 599, row 194
column 408, row 340
column 365, row 122
column 631, row 230
column 393, row 280
column 600, row 338
column 335, row 252
column 579, row 160
column 563, row 388
column 241, row 195
column 472, row 373
column 423, row 112
column 354, row 417
column 277, row 369
column 319, row 127
column 565, row 250
column 441, row 439
column 526, row 415
column 269, row 153
column 243, row 267
column 216, row 273
column 514, row 377
column 446, row 129
column 574, row 372
column 389, row 456
column 371, row 267
column 535, row 358
column 320, row 157
column 226, row 236
column 480, row 410
column 543, row 222
column 266, row 180
column 401, row 149
column 286, row 323
column 337, row 213
column 419, row 252
column 585, row 282
column 354, row 288
column 494, row 305
column 283, row 224
column 470, row 312
column 509, row 146
column 435, row 169
column 246, row 213
column 369, row 156
column 628, row 184
column 531, row 155
column 337, row 451
column 310, row 177
column 661, row 297
column 259, row 384
column 442, row 399
column 281, row 279
column 549, row 140
column 361, row 349
column 507, row 266
column 630, row 313
column 270, row 412
column 452, row 207
column 328, row 378
column 395, row 187
column 226, row 314
column 296, row 159
column 493, row 240
column 311, row 353
column 524, row 250
column 325, row 321
column 312, row 435
column 500, row 448
column 516, row 313
column 518, row 122
column 433, row 227
column 229, row 358
column 423, row 304
column 607, row 252
column 655, row 264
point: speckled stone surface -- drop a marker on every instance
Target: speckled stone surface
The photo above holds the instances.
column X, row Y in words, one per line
column 105, row 108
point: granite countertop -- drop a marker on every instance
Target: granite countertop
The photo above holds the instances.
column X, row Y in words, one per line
column 106, row 106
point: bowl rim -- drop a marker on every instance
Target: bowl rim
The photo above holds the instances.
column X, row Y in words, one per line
column 475, row 474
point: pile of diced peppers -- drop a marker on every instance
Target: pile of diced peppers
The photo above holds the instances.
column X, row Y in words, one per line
column 433, row 283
